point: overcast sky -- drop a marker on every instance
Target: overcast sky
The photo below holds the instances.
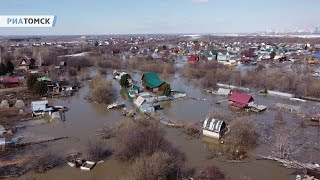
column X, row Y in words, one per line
column 77, row 17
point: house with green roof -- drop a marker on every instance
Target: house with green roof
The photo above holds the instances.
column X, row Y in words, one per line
column 213, row 52
column 44, row 78
column 212, row 55
column 151, row 82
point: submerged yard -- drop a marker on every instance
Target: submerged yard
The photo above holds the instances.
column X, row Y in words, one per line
column 84, row 119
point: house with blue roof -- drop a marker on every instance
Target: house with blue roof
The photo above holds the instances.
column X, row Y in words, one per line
column 317, row 55
column 315, row 58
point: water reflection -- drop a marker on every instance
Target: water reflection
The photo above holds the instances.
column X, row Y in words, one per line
column 84, row 119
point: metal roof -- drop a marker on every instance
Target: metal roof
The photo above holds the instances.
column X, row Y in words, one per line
column 152, row 80
column 316, row 55
column 39, row 102
column 240, row 98
column 213, row 125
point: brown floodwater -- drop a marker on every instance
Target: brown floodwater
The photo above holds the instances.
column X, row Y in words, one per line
column 83, row 120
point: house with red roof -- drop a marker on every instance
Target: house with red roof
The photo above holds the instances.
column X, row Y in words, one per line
column 10, row 81
column 240, row 100
column 193, row 58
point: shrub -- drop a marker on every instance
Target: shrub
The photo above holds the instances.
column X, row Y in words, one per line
column 44, row 161
column 72, row 71
column 103, row 71
column 40, row 88
column 144, row 138
column 96, row 151
column 192, row 130
column 104, row 64
column 101, row 91
column 153, row 66
column 287, row 143
column 149, row 58
column 160, row 165
column 210, row 172
column 244, row 133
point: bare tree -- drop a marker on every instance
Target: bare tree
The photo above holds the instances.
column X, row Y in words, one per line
column 244, row 133
column 96, row 151
column 101, row 90
column 284, row 143
column 159, row 166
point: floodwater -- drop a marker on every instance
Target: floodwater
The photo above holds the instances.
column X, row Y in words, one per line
column 83, row 120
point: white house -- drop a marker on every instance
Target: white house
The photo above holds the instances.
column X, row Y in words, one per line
column 40, row 106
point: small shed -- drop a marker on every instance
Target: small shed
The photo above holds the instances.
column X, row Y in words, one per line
column 139, row 101
column 39, row 105
column 214, row 128
column 223, row 92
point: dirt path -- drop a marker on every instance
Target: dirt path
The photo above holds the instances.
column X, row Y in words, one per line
column 14, row 89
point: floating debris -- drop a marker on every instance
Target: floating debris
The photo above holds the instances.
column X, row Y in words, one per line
column 116, row 105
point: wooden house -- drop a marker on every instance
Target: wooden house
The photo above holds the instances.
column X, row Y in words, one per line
column 27, row 63
column 151, row 82
column 240, row 100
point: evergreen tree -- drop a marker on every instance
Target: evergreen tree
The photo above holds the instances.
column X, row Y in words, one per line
column 273, row 54
column 10, row 66
column 40, row 88
column 164, row 47
column 31, row 81
column 166, row 89
column 3, row 69
column 124, row 81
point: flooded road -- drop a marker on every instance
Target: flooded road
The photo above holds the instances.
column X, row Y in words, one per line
column 83, row 120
